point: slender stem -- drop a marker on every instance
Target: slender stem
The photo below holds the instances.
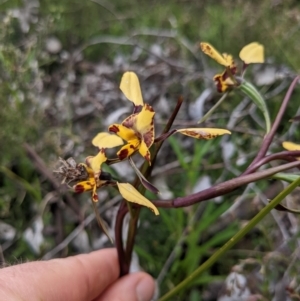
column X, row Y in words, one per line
column 191, row 278
column 210, row 112
column 124, row 267
column 224, row 187
column 285, row 155
column 270, row 136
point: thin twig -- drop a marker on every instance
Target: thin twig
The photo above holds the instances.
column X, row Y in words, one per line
column 79, row 228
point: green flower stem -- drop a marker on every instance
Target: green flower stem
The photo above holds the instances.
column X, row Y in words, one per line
column 217, row 255
column 208, row 114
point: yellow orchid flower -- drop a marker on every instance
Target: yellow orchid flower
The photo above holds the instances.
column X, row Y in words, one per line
column 138, row 131
column 89, row 184
column 127, row 191
column 94, row 181
column 97, row 178
column 251, row 53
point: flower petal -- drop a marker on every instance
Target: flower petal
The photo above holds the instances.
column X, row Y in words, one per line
column 144, row 120
column 124, row 132
column 95, row 162
column 130, row 86
column 203, row 133
column 144, row 151
column 290, row 146
column 142, row 178
column 95, row 195
column 84, row 186
column 214, row 54
column 130, row 194
column 252, row 53
column 223, row 82
column 106, row 140
column 128, row 149
column 229, row 59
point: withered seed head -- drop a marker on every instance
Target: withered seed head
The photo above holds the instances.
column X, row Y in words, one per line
column 69, row 171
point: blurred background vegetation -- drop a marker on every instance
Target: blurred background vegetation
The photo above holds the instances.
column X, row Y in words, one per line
column 61, row 64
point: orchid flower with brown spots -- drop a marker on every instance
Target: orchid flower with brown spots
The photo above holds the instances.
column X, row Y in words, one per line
column 251, row 53
column 94, row 180
column 138, row 131
column 97, row 179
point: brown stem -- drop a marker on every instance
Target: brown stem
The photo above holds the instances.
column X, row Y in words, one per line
column 290, row 156
column 270, row 136
column 124, row 266
column 223, row 188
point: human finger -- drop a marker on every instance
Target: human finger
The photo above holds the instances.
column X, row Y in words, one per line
column 77, row 278
column 133, row 287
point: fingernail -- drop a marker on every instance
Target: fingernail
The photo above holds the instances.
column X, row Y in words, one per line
column 145, row 289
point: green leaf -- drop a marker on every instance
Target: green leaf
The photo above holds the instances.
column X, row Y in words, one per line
column 288, row 177
column 249, row 90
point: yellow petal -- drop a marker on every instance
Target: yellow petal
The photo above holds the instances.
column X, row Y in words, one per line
column 96, row 162
column 95, row 194
column 230, row 62
column 223, row 82
column 128, row 149
column 130, row 86
column 290, row 146
column 106, row 140
column 203, row 133
column 84, row 186
column 144, row 120
column 214, row 54
column 144, row 151
column 252, row 53
column 130, row 194
column 124, row 132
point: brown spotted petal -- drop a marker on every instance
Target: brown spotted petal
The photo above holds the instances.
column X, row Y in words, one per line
column 223, row 81
column 128, row 149
column 95, row 162
column 203, row 133
column 145, row 125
